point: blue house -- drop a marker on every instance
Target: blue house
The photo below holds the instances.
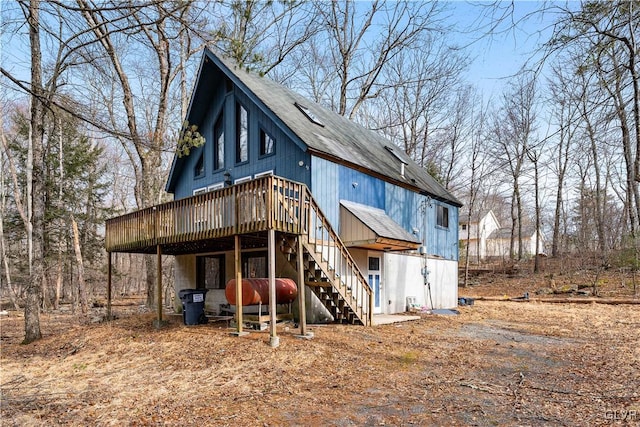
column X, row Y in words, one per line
column 348, row 213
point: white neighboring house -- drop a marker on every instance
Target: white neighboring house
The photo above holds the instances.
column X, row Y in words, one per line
column 487, row 239
column 499, row 242
column 478, row 229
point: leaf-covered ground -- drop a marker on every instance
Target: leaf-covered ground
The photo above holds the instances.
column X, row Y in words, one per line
column 497, row 363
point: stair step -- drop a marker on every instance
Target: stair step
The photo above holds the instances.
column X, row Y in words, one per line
column 323, row 279
column 319, row 285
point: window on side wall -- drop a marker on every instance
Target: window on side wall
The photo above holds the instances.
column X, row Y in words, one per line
column 242, row 134
column 267, row 143
column 198, row 170
column 210, row 272
column 442, row 219
column 218, row 142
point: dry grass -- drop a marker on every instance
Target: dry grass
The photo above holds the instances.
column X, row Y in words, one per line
column 497, row 363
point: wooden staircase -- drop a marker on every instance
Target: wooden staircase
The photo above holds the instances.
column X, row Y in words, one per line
column 329, row 269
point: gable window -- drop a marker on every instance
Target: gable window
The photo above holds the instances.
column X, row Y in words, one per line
column 442, row 219
column 198, row 170
column 267, row 143
column 218, row 143
column 210, row 272
column 242, row 134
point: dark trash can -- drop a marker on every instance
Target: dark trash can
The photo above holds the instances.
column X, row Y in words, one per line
column 193, row 306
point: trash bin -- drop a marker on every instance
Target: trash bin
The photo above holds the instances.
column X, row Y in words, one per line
column 193, row 306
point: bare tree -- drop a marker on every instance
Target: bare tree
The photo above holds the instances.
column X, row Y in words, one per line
column 478, row 171
column 511, row 133
column 605, row 33
column 4, row 160
column 425, row 107
column 562, row 95
column 35, row 175
column 356, row 42
column 261, row 35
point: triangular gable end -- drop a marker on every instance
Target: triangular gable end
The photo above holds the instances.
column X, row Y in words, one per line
column 199, row 91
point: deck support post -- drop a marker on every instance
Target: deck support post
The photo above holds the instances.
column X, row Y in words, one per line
column 274, row 340
column 301, row 292
column 159, row 321
column 238, row 269
column 109, row 268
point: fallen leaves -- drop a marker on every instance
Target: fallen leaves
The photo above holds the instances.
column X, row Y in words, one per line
column 496, row 363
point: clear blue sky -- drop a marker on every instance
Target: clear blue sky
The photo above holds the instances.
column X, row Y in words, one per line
column 501, row 54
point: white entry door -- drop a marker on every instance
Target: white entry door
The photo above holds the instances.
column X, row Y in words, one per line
column 374, row 282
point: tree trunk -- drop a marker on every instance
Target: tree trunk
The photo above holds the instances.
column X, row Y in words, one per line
column 514, row 219
column 36, row 276
column 82, row 288
column 536, row 265
column 3, row 248
column 59, row 278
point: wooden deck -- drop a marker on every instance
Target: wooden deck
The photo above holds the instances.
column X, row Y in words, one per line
column 251, row 209
column 258, row 205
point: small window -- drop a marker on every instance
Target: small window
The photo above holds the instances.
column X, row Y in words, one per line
column 198, row 170
column 265, row 173
column 243, row 179
column 254, row 264
column 464, row 227
column 218, row 141
column 374, row 264
column 242, row 134
column 210, row 272
column 267, row 143
column 442, row 219
column 214, row 187
column 199, row 191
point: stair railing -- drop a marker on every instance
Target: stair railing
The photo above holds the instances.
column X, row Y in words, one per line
column 343, row 270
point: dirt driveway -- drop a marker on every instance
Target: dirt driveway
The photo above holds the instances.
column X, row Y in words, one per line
column 497, row 363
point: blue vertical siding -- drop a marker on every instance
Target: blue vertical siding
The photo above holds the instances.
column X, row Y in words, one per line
column 403, row 207
column 442, row 241
column 331, row 183
column 324, row 187
column 414, row 211
column 358, row 187
column 285, row 161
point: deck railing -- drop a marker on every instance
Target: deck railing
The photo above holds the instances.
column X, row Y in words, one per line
column 257, row 205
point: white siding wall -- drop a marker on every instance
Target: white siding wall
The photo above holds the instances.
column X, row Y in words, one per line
column 185, row 276
column 443, row 276
column 403, row 278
